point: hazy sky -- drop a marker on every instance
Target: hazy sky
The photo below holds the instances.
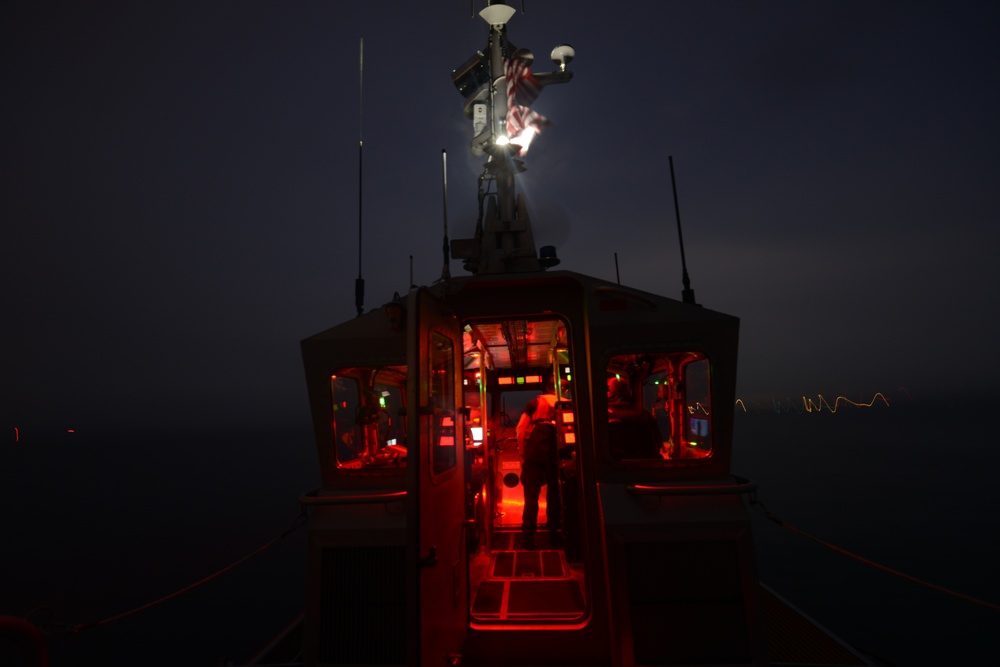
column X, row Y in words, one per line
column 179, row 187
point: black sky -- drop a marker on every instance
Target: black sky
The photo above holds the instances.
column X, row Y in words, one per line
column 179, row 187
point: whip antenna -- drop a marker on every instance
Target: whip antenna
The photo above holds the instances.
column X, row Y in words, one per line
column 446, row 271
column 687, row 294
column 359, row 284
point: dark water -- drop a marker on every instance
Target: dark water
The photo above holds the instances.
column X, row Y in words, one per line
column 95, row 524
column 912, row 487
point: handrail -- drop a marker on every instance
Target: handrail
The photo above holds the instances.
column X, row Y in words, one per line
column 312, row 498
column 742, row 486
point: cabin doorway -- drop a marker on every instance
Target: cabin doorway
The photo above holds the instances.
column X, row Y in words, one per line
column 518, row 575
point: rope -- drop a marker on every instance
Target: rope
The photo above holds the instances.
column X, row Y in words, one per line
column 288, row 531
column 763, row 511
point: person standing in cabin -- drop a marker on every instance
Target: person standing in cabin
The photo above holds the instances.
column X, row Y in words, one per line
column 664, row 420
column 537, row 441
column 632, row 432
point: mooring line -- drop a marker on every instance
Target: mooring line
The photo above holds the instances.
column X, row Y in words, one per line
column 766, row 513
column 299, row 521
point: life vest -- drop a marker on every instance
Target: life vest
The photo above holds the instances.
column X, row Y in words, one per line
column 540, row 445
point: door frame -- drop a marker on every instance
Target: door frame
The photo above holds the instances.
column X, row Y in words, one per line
column 437, row 581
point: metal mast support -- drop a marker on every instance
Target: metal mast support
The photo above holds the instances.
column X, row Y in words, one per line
column 508, row 243
column 504, row 242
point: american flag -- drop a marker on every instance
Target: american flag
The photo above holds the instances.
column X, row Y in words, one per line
column 522, row 90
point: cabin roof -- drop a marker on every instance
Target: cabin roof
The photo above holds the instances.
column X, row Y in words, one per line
column 604, row 296
column 483, row 296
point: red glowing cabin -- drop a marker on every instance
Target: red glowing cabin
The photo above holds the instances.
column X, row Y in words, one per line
column 418, row 547
column 414, row 540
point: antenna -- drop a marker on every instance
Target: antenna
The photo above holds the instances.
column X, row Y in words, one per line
column 618, row 276
column 687, row 294
column 445, row 271
column 359, row 284
column 472, row 13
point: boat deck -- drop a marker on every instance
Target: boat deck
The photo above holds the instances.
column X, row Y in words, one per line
column 795, row 639
column 515, row 584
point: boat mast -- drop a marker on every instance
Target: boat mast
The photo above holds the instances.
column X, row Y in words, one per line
column 499, row 86
column 501, row 153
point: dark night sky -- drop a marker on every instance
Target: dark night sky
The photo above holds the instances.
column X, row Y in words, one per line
column 179, row 187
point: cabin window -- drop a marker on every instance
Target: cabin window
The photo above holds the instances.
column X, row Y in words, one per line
column 369, row 429
column 659, row 406
column 442, row 397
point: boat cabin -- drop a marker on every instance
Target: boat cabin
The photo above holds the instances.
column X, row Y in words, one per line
column 441, row 415
column 416, row 550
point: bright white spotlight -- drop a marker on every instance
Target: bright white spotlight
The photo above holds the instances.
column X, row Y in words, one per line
column 523, row 139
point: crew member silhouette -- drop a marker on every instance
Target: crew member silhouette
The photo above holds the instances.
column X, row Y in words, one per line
column 536, row 438
column 632, row 433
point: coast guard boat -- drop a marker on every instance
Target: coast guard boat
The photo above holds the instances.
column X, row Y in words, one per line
column 415, row 550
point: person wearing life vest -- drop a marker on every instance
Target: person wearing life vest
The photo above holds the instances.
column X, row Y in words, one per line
column 536, row 439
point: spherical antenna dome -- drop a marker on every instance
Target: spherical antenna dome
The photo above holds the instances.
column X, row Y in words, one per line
column 562, row 55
